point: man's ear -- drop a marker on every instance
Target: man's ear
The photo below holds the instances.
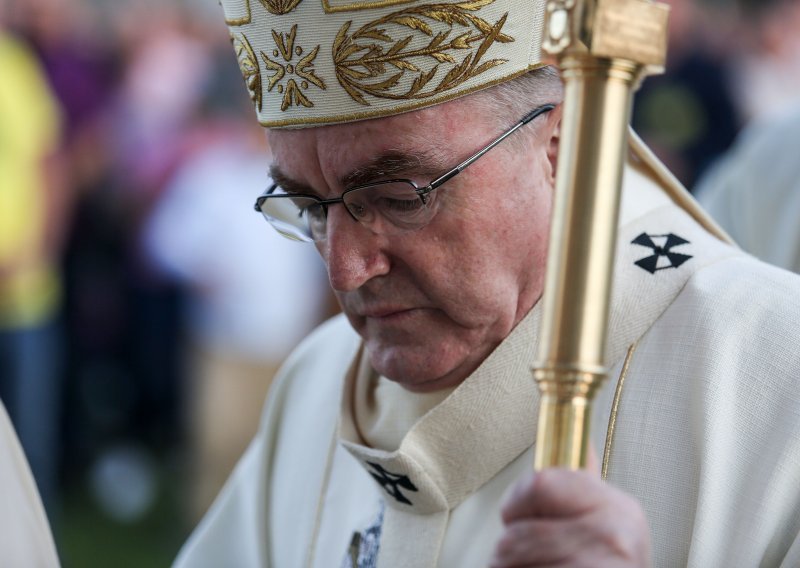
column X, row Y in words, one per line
column 552, row 143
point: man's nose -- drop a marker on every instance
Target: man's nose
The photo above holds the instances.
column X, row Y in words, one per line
column 352, row 252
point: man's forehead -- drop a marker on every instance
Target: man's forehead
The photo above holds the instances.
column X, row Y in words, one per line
column 417, row 142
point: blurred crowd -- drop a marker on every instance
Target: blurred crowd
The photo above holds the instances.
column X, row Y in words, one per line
column 730, row 62
column 143, row 305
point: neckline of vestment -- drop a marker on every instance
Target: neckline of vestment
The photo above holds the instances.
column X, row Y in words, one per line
column 490, row 419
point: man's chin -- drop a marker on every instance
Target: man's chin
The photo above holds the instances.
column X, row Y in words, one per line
column 417, row 368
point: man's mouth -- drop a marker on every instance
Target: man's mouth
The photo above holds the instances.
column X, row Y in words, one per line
column 385, row 312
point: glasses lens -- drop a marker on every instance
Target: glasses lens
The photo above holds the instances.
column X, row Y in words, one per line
column 395, row 205
column 296, row 217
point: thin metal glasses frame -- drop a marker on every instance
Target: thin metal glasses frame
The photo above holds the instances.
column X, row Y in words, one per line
column 422, row 192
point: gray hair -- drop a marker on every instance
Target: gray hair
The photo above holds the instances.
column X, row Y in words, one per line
column 510, row 101
column 516, row 97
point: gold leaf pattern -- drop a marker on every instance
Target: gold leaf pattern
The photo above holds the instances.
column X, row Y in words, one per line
column 361, row 57
column 248, row 65
column 246, row 19
column 302, row 71
column 280, row 7
column 332, row 6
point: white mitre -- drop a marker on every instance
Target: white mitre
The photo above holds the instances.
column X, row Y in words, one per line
column 311, row 62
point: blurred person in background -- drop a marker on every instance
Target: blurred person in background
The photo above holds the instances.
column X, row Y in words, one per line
column 687, row 115
column 766, row 61
column 130, row 78
column 238, row 278
column 80, row 70
column 126, row 105
column 754, row 190
column 125, row 310
column 34, row 211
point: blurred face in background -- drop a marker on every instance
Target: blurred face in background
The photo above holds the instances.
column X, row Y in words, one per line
column 433, row 303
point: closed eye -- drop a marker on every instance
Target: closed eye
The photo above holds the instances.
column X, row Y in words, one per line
column 401, row 205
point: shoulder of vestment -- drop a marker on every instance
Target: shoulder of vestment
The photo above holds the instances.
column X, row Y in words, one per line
column 742, row 297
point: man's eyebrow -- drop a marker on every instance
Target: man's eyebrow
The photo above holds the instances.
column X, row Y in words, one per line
column 389, row 164
column 380, row 167
column 287, row 183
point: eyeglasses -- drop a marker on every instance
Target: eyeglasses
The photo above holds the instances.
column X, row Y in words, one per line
column 387, row 207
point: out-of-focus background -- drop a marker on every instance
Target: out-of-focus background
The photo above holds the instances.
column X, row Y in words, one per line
column 144, row 306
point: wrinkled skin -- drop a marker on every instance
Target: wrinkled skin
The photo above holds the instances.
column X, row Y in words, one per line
column 432, row 304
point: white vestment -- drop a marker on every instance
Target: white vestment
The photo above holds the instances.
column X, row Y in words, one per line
column 25, row 538
column 700, row 421
column 754, row 191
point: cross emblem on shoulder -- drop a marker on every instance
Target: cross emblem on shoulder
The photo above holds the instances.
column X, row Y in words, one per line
column 392, row 482
column 663, row 257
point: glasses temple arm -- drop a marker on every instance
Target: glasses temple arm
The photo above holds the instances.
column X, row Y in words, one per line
column 460, row 167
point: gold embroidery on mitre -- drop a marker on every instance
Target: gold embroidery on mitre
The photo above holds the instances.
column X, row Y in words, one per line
column 367, row 59
column 280, row 7
column 303, row 70
column 248, row 65
column 378, row 112
column 331, row 6
column 239, row 21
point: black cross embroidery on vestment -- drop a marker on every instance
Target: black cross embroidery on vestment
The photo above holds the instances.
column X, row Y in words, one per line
column 392, row 482
column 663, row 256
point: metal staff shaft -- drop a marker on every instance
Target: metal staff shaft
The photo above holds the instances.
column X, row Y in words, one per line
column 601, row 58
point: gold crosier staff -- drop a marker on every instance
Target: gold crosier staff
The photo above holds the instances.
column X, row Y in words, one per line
column 604, row 48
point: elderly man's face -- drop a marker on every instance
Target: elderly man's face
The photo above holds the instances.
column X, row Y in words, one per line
column 432, row 304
